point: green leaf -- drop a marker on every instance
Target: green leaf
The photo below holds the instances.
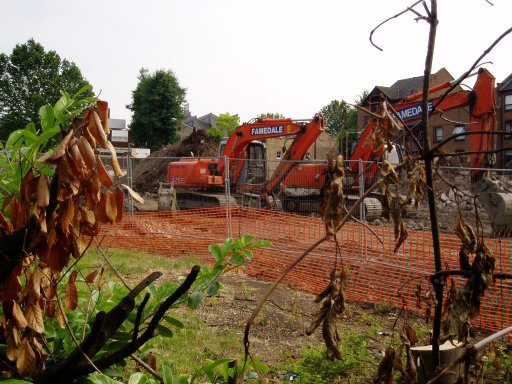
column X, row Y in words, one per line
column 259, row 366
column 237, row 259
column 14, row 138
column 259, row 244
column 82, row 90
column 216, row 252
column 47, row 117
column 209, row 369
column 31, row 127
column 164, row 331
column 244, row 239
column 195, row 299
column 167, row 375
column 30, row 137
column 174, row 321
column 60, row 106
column 98, row 378
column 137, row 378
column 213, row 288
column 227, row 247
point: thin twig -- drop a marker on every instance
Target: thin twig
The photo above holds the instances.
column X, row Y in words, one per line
column 147, row 367
column 391, row 18
column 468, row 72
column 73, row 337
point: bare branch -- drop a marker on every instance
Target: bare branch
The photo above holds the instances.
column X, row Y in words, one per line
column 410, row 8
column 473, row 66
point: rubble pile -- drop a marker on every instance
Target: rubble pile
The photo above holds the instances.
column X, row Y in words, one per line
column 149, row 172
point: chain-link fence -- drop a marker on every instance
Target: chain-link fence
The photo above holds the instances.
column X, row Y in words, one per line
column 282, row 204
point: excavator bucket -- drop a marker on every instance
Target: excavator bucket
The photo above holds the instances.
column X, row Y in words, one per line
column 167, row 200
column 496, row 199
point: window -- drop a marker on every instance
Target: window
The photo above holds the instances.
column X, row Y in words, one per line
column 438, row 133
column 459, row 129
column 508, row 102
column 278, row 155
column 508, row 128
column 507, row 158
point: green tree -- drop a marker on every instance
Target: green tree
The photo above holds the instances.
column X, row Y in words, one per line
column 224, row 126
column 270, row 115
column 362, row 97
column 157, row 106
column 340, row 121
column 31, row 77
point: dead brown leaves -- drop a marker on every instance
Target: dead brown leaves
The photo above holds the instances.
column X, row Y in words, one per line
column 331, row 310
column 85, row 197
column 332, row 205
column 464, row 304
column 385, row 129
column 393, row 360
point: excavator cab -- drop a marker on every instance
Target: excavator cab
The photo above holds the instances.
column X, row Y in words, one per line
column 254, row 170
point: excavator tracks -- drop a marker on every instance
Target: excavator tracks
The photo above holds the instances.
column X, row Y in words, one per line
column 197, row 200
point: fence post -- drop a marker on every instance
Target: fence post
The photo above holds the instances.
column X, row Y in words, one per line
column 362, row 213
column 228, row 195
column 130, row 178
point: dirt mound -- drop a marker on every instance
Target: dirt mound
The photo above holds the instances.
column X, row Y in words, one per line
column 147, row 173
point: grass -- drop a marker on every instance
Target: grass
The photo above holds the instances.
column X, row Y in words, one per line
column 189, row 348
column 314, row 366
column 135, row 265
column 197, row 344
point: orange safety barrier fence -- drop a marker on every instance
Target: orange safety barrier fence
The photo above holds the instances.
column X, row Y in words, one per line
column 376, row 274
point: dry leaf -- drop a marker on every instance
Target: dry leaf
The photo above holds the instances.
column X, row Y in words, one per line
column 34, row 315
column 18, row 316
column 103, row 114
column 58, row 257
column 135, row 196
column 115, row 164
column 4, row 225
column 77, row 161
column 66, row 214
column 87, row 152
column 71, row 299
column 92, row 276
column 17, row 214
column 28, row 188
column 13, row 343
column 59, row 151
column 50, row 308
column 107, row 208
column 43, row 194
column 103, row 174
column 96, row 129
column 26, row 362
column 61, row 318
column 11, row 286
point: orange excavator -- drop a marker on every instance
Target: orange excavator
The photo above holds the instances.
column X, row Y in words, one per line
column 495, row 198
column 242, row 165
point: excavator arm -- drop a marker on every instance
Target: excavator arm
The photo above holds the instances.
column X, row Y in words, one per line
column 296, row 151
column 495, row 198
column 305, row 134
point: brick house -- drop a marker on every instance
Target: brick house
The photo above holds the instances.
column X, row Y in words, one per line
column 452, row 122
column 189, row 123
column 504, row 102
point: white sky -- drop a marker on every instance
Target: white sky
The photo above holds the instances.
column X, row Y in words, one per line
column 255, row 56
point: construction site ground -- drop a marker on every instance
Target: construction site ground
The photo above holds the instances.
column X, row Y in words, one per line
column 279, row 333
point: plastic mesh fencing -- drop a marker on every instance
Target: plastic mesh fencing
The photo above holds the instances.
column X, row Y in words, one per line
column 376, row 274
